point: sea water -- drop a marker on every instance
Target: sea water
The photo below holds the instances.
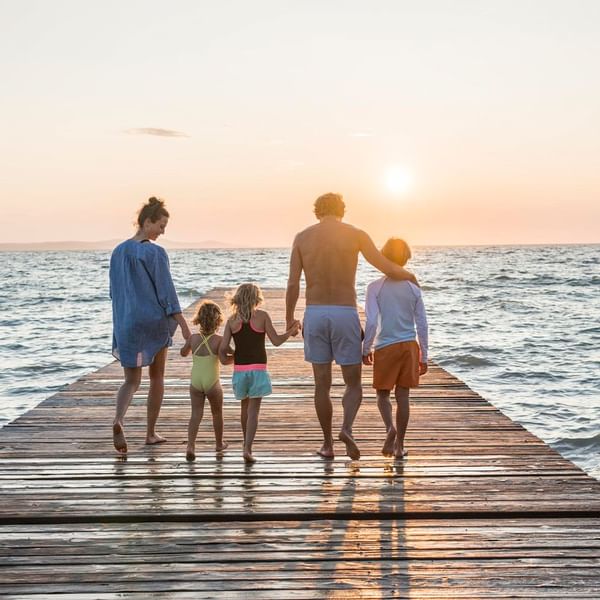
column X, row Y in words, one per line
column 519, row 324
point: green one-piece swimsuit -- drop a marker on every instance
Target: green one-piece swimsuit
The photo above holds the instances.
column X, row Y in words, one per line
column 205, row 369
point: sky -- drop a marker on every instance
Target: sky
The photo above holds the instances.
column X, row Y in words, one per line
column 239, row 114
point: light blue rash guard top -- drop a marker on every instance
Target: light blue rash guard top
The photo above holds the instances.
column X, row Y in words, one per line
column 393, row 310
column 143, row 300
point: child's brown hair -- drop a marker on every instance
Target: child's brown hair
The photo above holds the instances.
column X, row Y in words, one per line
column 397, row 251
column 208, row 316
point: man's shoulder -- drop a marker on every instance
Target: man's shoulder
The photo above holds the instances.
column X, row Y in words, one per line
column 336, row 228
column 307, row 231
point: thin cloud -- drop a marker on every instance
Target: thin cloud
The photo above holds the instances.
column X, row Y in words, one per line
column 156, row 131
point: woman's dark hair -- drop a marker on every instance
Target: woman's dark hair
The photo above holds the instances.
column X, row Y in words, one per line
column 154, row 210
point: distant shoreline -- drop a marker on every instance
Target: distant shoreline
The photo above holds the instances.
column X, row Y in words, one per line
column 75, row 246
column 107, row 245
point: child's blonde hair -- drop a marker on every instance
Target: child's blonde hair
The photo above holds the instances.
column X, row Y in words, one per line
column 208, row 316
column 245, row 300
column 397, row 251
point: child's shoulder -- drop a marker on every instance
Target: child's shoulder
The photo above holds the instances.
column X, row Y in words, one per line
column 416, row 290
column 194, row 340
column 234, row 323
column 260, row 317
column 375, row 286
column 215, row 341
column 377, row 282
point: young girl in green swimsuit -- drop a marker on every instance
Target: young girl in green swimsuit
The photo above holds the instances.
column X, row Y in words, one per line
column 205, row 383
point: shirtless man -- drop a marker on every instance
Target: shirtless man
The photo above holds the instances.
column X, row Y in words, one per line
column 328, row 254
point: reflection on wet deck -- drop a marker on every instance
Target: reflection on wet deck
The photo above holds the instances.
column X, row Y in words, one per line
column 481, row 508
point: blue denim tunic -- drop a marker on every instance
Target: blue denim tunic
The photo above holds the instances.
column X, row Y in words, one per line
column 143, row 300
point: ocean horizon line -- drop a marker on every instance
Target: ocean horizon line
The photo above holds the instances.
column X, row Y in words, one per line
column 104, row 245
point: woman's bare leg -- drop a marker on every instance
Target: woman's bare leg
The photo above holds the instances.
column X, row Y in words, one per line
column 197, row 400
column 156, row 372
column 215, row 398
column 132, row 376
column 251, row 427
column 402, row 416
column 385, row 410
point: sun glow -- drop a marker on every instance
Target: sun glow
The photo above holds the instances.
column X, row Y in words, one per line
column 398, row 179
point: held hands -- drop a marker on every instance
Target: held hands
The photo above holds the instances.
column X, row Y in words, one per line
column 368, row 359
column 185, row 331
column 422, row 368
column 293, row 329
column 413, row 279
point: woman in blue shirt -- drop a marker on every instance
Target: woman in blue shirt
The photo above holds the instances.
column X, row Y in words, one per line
column 146, row 313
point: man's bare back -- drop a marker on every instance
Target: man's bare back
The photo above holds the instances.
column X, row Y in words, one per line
column 328, row 252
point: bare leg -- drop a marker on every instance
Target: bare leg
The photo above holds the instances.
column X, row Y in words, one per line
column 322, row 376
column 197, row 399
column 215, row 398
column 244, row 416
column 402, row 415
column 133, row 376
column 351, row 402
column 251, row 426
column 385, row 410
column 156, row 372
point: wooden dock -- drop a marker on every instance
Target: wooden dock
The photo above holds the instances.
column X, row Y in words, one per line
column 480, row 509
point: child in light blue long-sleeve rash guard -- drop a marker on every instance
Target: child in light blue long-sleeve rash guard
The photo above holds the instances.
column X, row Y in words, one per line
column 395, row 318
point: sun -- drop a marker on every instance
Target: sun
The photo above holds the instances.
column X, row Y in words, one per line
column 398, row 179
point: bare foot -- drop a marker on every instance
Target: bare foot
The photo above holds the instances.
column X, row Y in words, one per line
column 390, row 440
column 119, row 438
column 400, row 453
column 155, row 439
column 326, row 451
column 351, row 448
column 220, row 447
column 190, row 454
column 248, row 458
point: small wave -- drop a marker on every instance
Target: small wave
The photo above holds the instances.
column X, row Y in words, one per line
column 527, row 376
column 469, row 360
column 584, row 282
column 591, row 330
column 567, row 444
column 14, row 347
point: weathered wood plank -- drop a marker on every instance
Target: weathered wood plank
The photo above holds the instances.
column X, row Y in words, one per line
column 480, row 508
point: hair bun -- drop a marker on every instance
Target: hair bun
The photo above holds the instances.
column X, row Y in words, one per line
column 154, row 209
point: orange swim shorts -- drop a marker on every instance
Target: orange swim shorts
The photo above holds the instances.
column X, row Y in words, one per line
column 396, row 364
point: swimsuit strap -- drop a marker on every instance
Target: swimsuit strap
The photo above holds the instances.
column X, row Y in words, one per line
column 204, row 343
